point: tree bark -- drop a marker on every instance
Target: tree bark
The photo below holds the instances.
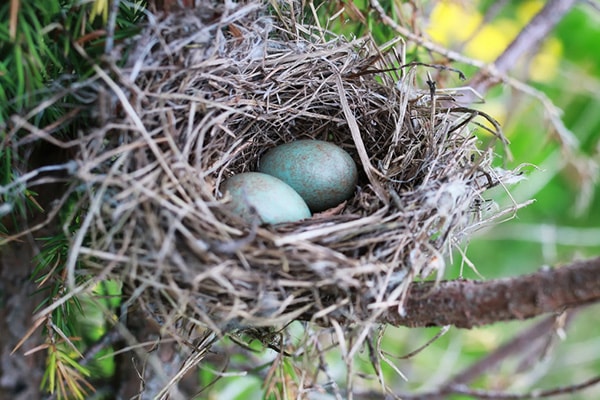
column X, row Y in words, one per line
column 467, row 303
column 20, row 296
column 20, row 375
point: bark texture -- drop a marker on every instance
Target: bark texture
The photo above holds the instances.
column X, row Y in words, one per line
column 467, row 303
column 20, row 375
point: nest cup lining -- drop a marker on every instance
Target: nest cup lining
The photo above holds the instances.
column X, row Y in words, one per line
column 214, row 90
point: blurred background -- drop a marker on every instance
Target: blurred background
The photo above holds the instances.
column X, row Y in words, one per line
column 564, row 222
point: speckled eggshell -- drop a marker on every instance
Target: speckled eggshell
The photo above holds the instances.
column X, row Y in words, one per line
column 322, row 173
column 275, row 202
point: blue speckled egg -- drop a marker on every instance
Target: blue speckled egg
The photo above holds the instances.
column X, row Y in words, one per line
column 322, row 173
column 275, row 202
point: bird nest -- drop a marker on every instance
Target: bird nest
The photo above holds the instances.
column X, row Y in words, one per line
column 203, row 95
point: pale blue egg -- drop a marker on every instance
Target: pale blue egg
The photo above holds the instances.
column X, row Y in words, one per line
column 322, row 173
column 275, row 202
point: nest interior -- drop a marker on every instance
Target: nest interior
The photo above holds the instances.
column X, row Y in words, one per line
column 203, row 95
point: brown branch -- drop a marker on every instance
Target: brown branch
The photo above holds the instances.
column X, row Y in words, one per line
column 528, row 38
column 466, row 303
column 521, row 343
column 484, row 394
column 534, row 33
column 539, row 394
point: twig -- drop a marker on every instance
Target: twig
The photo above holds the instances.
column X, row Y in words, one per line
column 516, row 345
column 421, row 41
column 535, row 394
column 496, row 73
column 111, row 337
column 110, row 27
column 528, row 38
column 485, row 394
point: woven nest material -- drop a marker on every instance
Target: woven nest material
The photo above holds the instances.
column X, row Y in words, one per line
column 204, row 94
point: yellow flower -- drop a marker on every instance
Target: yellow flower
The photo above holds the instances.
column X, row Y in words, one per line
column 492, row 40
column 452, row 23
column 527, row 10
column 545, row 64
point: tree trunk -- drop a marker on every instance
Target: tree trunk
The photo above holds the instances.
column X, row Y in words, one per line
column 20, row 374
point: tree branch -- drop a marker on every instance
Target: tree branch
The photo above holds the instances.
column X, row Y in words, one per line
column 467, row 303
column 521, row 344
column 529, row 38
